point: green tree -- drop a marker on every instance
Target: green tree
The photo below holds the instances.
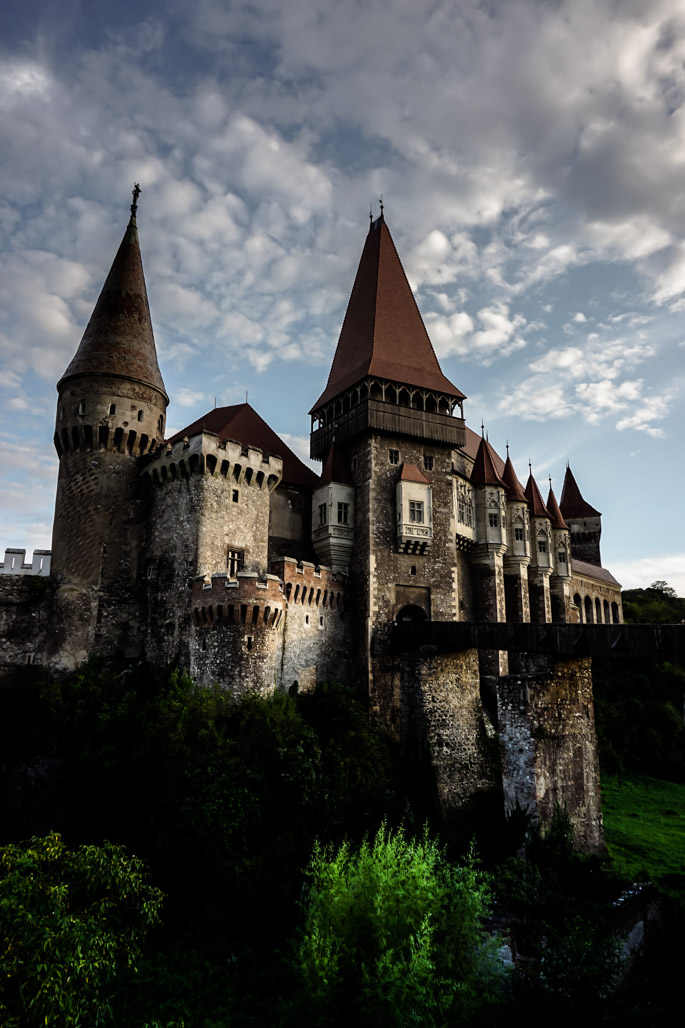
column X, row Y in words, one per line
column 70, row 921
column 393, row 934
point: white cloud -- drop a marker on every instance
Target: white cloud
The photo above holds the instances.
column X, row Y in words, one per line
column 498, row 334
column 640, row 572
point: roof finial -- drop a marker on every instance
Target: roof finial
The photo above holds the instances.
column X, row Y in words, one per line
column 507, row 447
column 482, row 428
column 371, row 213
column 550, row 481
column 136, row 193
column 530, row 467
column 381, row 203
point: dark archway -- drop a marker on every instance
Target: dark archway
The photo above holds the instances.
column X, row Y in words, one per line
column 411, row 613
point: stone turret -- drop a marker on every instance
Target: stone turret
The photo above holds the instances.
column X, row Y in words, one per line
column 517, row 557
column 584, row 522
column 541, row 556
column 560, row 579
column 111, row 409
column 333, row 512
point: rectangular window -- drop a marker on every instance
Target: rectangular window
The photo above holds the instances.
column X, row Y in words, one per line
column 235, row 495
column 416, row 511
column 343, row 513
column 493, row 520
column 234, row 562
column 428, row 461
column 562, row 557
column 464, row 505
column 542, row 546
column 518, row 535
column 322, row 513
column 394, row 456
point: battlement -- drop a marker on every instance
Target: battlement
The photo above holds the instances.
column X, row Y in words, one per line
column 15, row 563
column 245, row 600
column 114, row 439
column 206, row 454
column 309, row 584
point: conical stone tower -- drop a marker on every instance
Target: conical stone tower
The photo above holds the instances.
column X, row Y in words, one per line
column 111, row 410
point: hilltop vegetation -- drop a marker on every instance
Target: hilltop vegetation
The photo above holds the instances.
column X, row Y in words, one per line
column 252, row 818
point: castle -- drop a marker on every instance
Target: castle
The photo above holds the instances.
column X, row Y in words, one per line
column 219, row 549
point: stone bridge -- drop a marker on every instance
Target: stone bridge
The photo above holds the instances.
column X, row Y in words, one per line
column 634, row 642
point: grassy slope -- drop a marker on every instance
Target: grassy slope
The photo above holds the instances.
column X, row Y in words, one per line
column 644, row 823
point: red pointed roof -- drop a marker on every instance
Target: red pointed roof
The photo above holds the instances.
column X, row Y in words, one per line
column 514, row 488
column 535, row 501
column 410, row 473
column 334, row 468
column 470, row 449
column 553, row 508
column 243, row 424
column 119, row 339
column 485, row 467
column 383, row 334
column 572, row 503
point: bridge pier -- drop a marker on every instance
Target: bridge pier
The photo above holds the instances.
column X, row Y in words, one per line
column 549, row 747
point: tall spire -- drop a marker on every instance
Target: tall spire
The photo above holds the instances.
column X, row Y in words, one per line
column 535, row 501
column 484, row 471
column 383, row 334
column 514, row 488
column 572, row 503
column 553, row 508
column 119, row 340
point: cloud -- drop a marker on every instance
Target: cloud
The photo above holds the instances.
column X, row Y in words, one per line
column 498, row 334
column 640, row 572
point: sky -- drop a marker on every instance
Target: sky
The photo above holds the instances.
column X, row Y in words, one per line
column 531, row 159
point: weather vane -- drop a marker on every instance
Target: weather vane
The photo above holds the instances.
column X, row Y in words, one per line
column 136, row 193
column 381, row 203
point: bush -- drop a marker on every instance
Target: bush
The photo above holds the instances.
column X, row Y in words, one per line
column 393, row 934
column 71, row 920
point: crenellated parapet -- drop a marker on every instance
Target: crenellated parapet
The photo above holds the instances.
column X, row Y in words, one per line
column 246, row 600
column 206, row 454
column 15, row 563
column 310, row 585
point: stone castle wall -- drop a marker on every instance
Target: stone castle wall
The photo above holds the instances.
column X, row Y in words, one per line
column 316, row 631
column 549, row 747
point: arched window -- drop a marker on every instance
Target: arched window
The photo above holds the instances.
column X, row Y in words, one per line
column 614, row 613
column 598, row 610
column 579, row 604
column 607, row 615
column 589, row 619
column 141, row 415
column 112, row 408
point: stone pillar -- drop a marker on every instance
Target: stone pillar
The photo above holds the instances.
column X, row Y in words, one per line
column 442, row 721
column 549, row 747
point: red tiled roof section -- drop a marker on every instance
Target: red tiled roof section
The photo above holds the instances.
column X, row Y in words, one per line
column 471, row 449
column 485, row 468
column 572, row 503
column 243, row 424
column 119, row 339
column 535, row 501
column 410, row 473
column 334, row 468
column 514, row 488
column 383, row 334
column 553, row 508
